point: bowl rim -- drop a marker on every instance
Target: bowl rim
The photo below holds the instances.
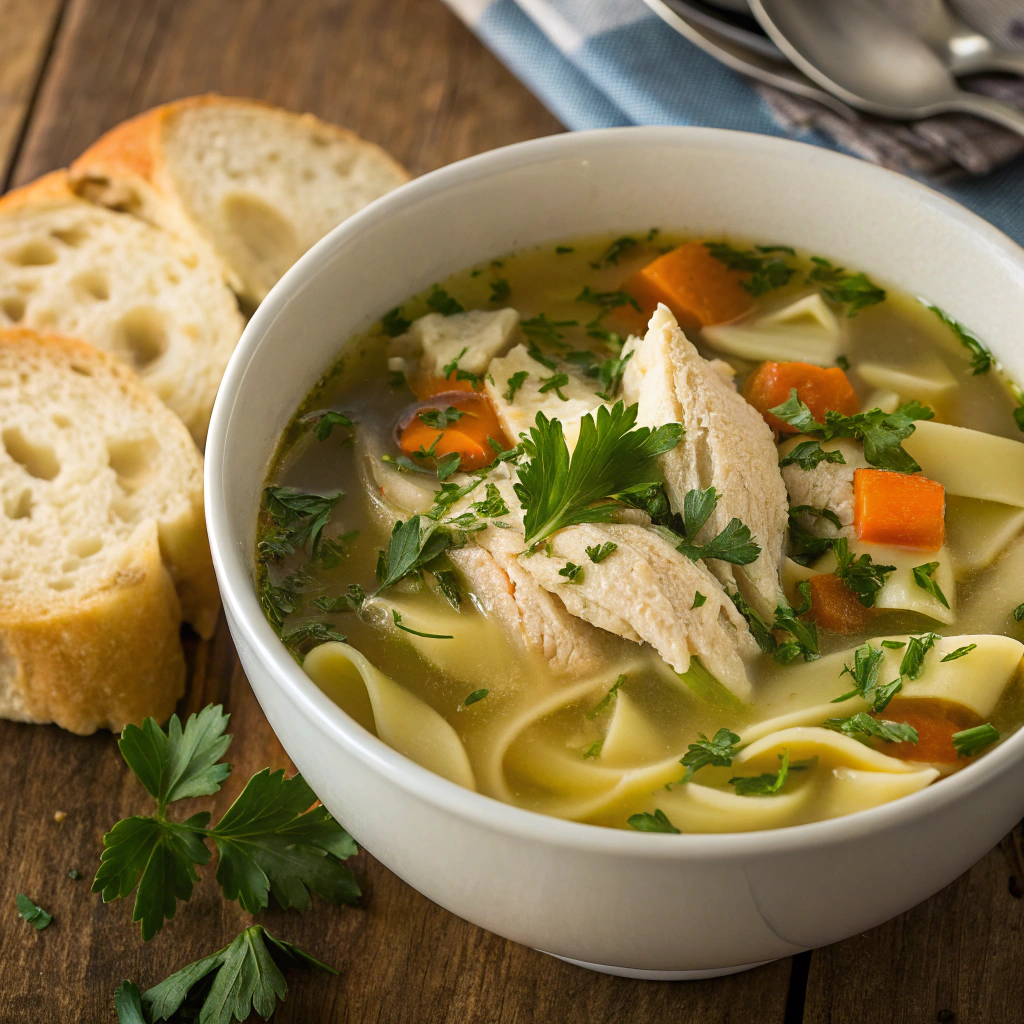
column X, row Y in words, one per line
column 241, row 602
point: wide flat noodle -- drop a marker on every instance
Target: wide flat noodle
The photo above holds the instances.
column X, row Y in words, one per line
column 396, row 716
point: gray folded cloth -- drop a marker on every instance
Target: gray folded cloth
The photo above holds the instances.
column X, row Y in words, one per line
column 944, row 147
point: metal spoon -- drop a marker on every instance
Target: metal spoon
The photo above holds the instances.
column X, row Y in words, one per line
column 746, row 62
column 869, row 60
column 963, row 50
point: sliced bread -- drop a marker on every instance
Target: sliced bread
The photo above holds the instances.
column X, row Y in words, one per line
column 78, row 269
column 255, row 184
column 103, row 547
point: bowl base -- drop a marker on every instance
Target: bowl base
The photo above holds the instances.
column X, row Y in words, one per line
column 633, row 972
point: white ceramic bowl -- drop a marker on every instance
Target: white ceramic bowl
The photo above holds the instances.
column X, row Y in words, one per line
column 626, row 902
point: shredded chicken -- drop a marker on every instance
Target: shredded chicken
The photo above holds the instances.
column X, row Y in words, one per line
column 829, row 485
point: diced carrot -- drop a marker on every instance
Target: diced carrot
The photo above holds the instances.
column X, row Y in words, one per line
column 835, row 607
column 699, row 289
column 468, row 435
column 900, row 509
column 819, row 388
column 935, row 721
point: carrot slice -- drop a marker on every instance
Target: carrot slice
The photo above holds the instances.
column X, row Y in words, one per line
column 699, row 289
column 835, row 607
column 819, row 388
column 935, row 721
column 896, row 508
column 468, row 435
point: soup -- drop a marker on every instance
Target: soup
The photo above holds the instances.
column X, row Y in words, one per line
column 675, row 534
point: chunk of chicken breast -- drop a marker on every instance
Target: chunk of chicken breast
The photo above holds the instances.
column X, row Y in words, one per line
column 727, row 445
column 829, row 485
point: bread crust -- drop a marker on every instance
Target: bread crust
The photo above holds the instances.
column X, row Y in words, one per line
column 111, row 659
column 52, row 187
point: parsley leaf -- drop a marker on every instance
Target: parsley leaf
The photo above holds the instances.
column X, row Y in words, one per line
column 768, row 270
column 856, row 291
column 277, row 602
column 599, row 552
column 960, row 652
column 759, row 629
column 474, row 697
column 614, row 251
column 538, row 357
column 441, row 302
column 718, row 751
column 803, row 544
column 881, row 433
column 32, row 912
column 923, row 578
column 267, row 844
column 348, row 602
column 300, row 515
column 604, row 703
column 863, row 576
column 392, row 323
column 656, row 822
column 440, row 418
column 515, row 382
column 1018, row 613
column 804, row 634
column 763, row 785
column 500, row 290
column 969, row 742
column 326, row 422
column 246, row 977
column 540, row 328
column 698, row 600
column 493, row 505
column 734, row 544
column 863, row 727
column 561, row 250
column 311, row 633
column 572, row 572
column 808, row 454
column 610, row 458
column 409, row 549
column 593, row 750
column 867, row 663
column 447, row 583
column 408, row 629
column 981, row 358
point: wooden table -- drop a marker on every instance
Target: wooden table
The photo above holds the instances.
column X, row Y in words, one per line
column 406, row 74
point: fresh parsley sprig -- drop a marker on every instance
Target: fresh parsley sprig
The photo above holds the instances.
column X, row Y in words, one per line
column 861, row 574
column 612, row 457
column 268, row 840
column 767, row 784
column 856, row 291
column 981, row 357
column 881, row 433
column 246, row 977
column 656, row 822
column 809, row 454
column 923, row 578
column 411, row 546
column 733, row 544
column 717, row 751
column 863, row 727
column 766, row 264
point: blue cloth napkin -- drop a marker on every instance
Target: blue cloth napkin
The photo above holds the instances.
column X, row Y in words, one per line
column 605, row 63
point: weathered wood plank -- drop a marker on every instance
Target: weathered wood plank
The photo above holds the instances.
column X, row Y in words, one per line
column 956, row 958
column 25, row 35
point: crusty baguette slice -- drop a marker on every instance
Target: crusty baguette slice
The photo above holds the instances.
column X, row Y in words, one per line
column 256, row 184
column 103, row 545
column 69, row 266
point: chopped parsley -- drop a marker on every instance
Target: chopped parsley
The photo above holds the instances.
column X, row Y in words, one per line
column 860, row 574
column 541, row 329
column 300, row 517
column 441, row 302
column 440, row 418
column 611, row 255
column 460, row 374
column 734, row 544
column 960, row 652
column 656, row 822
column 923, row 578
column 311, row 633
column 605, row 702
column 392, row 323
column 804, row 642
column 766, row 265
column 555, row 383
column 803, row 544
column 881, row 433
column 607, row 300
column 698, row 600
column 856, row 291
column 572, row 572
column 515, row 382
column 326, row 422
column 612, row 458
column 277, row 602
column 32, row 912
column 918, row 646
column 1018, row 613
column 599, row 552
column 493, row 505
column 763, row 785
column 396, row 615
column 474, row 697
column 717, row 751
column 759, row 629
column 863, row 727
column 349, row 602
column 561, row 250
column 969, row 742
column 867, row 664
column 500, row 290
column 448, row 584
column 409, row 549
column 981, row 358
column 809, row 454
column 594, row 750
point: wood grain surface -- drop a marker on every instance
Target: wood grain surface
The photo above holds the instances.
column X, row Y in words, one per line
column 408, row 75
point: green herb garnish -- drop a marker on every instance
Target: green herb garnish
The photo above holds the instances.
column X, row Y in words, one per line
column 440, row 418
column 326, row 422
column 555, row 383
column 410, row 548
column 698, row 600
column 392, row 323
column 969, row 742
column 863, row 727
column 441, row 302
column 981, row 358
column 541, row 329
column 396, row 615
column 656, row 822
column 809, row 454
column 614, row 251
column 500, row 290
column 515, row 382
column 32, row 912
column 856, row 291
column 348, row 602
column 717, row 751
column 607, row 300
column 300, row 517
column 572, row 572
column 734, row 544
column 474, row 697
column 594, row 750
column 606, row 700
column 960, row 652
column 763, row 785
column 599, row 552
column 923, row 578
column 767, row 270
column 860, row 574
column 311, row 633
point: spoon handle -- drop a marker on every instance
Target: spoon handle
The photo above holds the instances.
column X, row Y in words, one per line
column 990, row 109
